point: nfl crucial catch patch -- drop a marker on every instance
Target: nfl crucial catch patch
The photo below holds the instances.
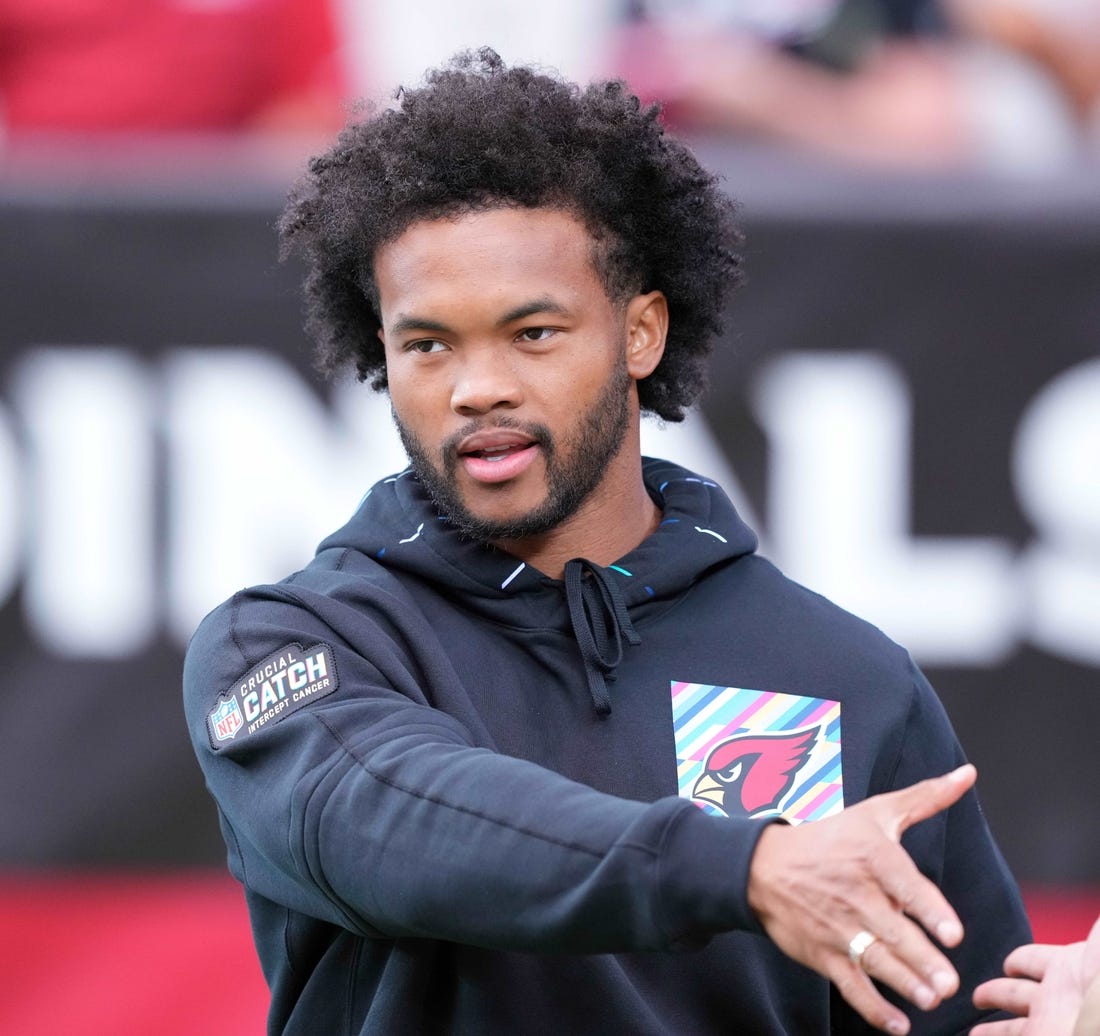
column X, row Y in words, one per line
column 746, row 753
column 271, row 690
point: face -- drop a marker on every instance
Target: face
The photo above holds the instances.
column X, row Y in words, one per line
column 510, row 370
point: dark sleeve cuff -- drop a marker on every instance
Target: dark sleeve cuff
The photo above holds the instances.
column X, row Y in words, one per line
column 704, row 876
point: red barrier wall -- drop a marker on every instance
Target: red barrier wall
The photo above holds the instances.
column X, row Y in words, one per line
column 114, row 954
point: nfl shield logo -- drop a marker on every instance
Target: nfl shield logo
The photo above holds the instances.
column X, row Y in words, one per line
column 226, row 719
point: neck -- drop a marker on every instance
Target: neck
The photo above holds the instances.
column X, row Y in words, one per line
column 617, row 516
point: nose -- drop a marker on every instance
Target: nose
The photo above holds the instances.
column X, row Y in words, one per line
column 485, row 381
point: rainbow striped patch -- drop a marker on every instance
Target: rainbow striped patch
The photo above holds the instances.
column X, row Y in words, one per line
column 743, row 752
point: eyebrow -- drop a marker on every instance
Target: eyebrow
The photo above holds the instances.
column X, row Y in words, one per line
column 545, row 304
column 415, row 323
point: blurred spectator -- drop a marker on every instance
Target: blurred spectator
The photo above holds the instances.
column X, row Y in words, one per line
column 1062, row 37
column 136, row 66
column 887, row 82
column 395, row 41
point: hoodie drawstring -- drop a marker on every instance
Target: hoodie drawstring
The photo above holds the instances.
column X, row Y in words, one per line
column 600, row 620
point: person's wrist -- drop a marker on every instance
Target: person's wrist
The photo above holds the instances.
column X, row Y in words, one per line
column 760, row 869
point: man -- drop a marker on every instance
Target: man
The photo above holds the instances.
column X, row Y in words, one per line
column 511, row 754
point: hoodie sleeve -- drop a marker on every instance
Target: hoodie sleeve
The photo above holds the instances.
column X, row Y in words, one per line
column 367, row 808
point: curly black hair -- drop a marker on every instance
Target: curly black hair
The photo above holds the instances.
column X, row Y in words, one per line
column 480, row 135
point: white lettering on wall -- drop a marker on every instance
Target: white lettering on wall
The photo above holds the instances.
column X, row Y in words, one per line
column 11, row 510
column 260, row 471
column 838, row 504
column 1057, row 475
column 89, row 581
column 111, row 547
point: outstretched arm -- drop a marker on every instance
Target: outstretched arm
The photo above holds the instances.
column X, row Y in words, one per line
column 376, row 811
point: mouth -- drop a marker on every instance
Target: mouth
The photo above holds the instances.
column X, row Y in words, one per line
column 497, row 455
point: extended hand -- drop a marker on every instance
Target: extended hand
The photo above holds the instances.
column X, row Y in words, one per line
column 815, row 886
column 1055, row 990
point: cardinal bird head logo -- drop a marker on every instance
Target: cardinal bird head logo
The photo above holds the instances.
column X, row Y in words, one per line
column 748, row 775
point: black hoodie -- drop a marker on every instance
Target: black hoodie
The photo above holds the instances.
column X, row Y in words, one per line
column 464, row 797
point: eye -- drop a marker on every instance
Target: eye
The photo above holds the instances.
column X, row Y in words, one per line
column 425, row 345
column 536, row 334
column 730, row 773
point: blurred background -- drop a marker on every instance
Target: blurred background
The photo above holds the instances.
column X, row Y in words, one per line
column 906, row 403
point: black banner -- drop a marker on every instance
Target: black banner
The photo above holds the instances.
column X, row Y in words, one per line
column 907, row 406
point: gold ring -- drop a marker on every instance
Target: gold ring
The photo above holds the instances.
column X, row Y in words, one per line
column 858, row 947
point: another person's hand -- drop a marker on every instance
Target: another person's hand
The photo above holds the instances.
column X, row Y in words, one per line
column 838, row 895
column 1053, row 990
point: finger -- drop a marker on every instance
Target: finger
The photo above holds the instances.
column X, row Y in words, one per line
column 1032, row 960
column 918, row 897
column 902, row 809
column 1011, row 1027
column 857, row 989
column 1014, row 995
column 904, row 959
column 881, row 963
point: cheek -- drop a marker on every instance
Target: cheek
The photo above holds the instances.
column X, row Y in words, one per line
column 580, row 385
column 413, row 398
column 417, row 425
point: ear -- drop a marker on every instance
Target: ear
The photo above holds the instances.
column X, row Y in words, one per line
column 646, row 330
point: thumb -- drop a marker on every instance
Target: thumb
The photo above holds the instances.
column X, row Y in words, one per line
column 900, row 810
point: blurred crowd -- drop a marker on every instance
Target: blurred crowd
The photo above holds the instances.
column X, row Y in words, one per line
column 920, row 84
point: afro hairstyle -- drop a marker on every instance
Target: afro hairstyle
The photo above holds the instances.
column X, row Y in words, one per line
column 480, row 135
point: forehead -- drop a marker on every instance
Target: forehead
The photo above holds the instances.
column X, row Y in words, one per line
column 492, row 252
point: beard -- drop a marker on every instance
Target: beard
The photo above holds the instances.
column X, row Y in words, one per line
column 575, row 464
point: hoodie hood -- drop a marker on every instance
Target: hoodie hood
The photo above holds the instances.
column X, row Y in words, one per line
column 399, row 527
